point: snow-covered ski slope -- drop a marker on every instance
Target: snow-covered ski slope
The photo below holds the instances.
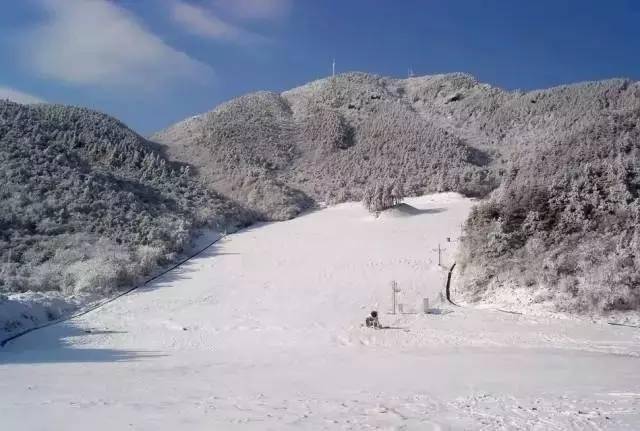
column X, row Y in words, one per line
column 263, row 332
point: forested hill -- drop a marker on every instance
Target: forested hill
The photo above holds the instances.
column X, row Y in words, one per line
column 330, row 138
column 562, row 164
column 327, row 140
column 88, row 206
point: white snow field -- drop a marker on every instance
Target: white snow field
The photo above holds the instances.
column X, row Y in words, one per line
column 264, row 332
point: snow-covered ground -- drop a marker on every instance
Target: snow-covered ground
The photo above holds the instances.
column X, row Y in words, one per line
column 22, row 312
column 264, row 332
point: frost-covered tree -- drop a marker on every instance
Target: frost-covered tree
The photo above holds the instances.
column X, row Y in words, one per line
column 397, row 191
column 382, row 196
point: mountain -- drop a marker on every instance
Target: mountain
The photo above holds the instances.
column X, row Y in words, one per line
column 324, row 142
column 89, row 206
column 559, row 169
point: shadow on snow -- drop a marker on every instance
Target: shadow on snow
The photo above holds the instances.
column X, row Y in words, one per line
column 62, row 343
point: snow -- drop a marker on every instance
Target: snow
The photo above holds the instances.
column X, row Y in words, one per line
column 20, row 312
column 264, row 331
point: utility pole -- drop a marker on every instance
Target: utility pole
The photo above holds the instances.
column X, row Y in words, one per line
column 394, row 291
column 439, row 250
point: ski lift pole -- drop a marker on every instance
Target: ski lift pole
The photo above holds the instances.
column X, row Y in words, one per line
column 394, row 291
column 439, row 250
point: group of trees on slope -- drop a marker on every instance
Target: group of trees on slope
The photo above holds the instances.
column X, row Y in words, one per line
column 88, row 206
column 565, row 223
column 381, row 196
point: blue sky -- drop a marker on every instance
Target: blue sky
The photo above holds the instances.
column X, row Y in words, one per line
column 153, row 62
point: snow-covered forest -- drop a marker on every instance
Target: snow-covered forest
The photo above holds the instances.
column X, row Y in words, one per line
column 90, row 207
column 565, row 222
column 325, row 142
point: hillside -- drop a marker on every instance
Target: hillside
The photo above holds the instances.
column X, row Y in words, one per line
column 567, row 148
column 564, row 226
column 324, row 142
column 88, row 206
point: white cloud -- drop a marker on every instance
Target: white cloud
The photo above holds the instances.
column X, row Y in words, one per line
column 256, row 9
column 18, row 96
column 199, row 21
column 98, row 43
